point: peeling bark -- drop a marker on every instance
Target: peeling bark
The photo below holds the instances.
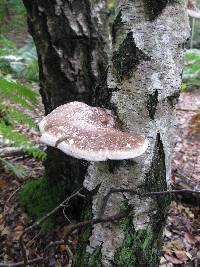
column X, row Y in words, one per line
column 143, row 84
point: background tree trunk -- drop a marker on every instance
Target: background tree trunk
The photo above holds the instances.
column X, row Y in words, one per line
column 71, row 63
column 143, row 86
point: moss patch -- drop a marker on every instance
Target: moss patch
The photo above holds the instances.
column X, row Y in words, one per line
column 142, row 247
column 38, row 199
column 139, row 248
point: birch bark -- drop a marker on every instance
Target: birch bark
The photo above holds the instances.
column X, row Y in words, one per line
column 143, row 86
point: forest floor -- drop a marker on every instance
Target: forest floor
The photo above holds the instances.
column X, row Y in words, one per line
column 182, row 232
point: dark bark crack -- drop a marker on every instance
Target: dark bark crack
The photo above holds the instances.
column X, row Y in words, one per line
column 152, row 104
column 127, row 58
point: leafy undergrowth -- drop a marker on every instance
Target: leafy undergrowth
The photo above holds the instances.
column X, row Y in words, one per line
column 182, row 236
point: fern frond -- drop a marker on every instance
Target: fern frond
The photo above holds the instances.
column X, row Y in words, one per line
column 13, row 138
column 16, row 169
column 16, row 116
column 6, row 46
column 18, row 91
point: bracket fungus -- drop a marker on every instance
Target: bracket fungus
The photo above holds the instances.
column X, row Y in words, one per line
column 89, row 133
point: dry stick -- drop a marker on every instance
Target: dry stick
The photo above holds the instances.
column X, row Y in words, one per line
column 186, row 109
column 113, row 218
column 21, row 263
column 6, row 203
column 41, row 220
column 141, row 194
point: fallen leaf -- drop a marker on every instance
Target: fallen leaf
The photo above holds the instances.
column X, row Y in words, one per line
column 181, row 255
column 178, row 244
column 189, row 238
column 172, row 259
column 3, row 183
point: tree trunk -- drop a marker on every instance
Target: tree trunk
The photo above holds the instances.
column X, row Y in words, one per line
column 71, row 63
column 143, row 86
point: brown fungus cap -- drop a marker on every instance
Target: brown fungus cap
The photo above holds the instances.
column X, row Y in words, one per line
column 89, row 133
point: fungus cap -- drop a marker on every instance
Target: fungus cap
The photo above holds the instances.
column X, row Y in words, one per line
column 89, row 133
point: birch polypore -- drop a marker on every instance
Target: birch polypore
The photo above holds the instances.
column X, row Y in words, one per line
column 89, row 133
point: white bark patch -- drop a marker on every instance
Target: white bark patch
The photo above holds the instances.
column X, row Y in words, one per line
column 161, row 40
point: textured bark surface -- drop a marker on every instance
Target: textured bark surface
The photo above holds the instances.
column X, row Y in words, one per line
column 71, row 63
column 143, row 85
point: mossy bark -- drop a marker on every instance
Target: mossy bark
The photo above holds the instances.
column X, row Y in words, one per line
column 71, row 61
column 143, row 84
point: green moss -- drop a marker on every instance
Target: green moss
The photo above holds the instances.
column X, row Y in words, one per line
column 142, row 247
column 139, row 248
column 83, row 258
column 38, row 199
column 95, row 258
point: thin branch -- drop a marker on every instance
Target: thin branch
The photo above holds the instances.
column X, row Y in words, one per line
column 21, row 263
column 187, row 109
column 141, row 194
column 41, row 220
column 7, row 201
column 11, row 151
column 83, row 224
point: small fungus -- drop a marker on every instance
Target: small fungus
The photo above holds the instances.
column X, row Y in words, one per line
column 89, row 133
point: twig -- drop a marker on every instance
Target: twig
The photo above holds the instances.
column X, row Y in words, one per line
column 83, row 224
column 141, row 194
column 21, row 263
column 13, row 193
column 41, row 220
column 53, row 244
column 65, row 215
column 185, row 109
column 11, row 151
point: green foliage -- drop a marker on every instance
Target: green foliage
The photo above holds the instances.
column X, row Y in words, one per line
column 21, row 99
column 31, row 71
column 13, row 15
column 191, row 72
column 38, row 199
column 7, row 47
column 2, row 12
column 18, row 93
column 21, row 63
column 16, row 139
column 16, row 169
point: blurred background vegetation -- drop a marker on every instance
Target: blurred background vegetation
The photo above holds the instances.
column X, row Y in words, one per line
column 18, row 85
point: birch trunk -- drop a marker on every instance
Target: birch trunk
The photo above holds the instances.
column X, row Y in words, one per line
column 143, row 86
column 71, row 63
